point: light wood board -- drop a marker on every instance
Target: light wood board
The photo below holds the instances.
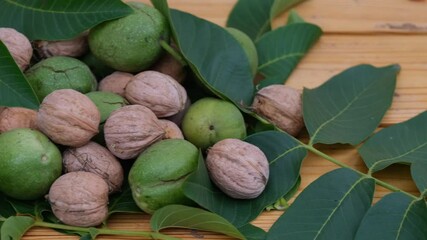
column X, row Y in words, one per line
column 378, row 32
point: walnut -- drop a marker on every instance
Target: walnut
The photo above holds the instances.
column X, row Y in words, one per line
column 75, row 47
column 282, row 106
column 157, row 91
column 172, row 131
column 115, row 83
column 130, row 130
column 68, row 117
column 178, row 117
column 18, row 45
column 17, row 117
column 238, row 168
column 79, row 199
column 95, row 158
column 168, row 65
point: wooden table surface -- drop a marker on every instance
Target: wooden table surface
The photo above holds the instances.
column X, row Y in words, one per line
column 379, row 32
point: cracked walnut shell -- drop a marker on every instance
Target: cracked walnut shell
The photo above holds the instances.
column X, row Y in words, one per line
column 95, row 158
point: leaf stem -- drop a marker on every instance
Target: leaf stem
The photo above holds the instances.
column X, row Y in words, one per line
column 335, row 161
column 100, row 231
column 175, row 54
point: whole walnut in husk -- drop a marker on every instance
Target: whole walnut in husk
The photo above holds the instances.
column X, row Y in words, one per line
column 282, row 106
column 79, row 199
column 18, row 45
column 115, row 83
column 130, row 130
column 95, row 158
column 75, row 47
column 17, row 117
column 172, row 131
column 238, row 168
column 68, row 117
column 157, row 91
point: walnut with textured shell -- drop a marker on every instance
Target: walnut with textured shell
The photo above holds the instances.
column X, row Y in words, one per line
column 68, row 117
column 238, row 168
column 157, row 91
column 17, row 117
column 18, row 45
column 130, row 130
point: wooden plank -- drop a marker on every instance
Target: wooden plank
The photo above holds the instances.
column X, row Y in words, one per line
column 364, row 28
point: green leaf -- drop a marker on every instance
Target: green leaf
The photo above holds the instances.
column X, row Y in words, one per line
column 419, row 174
column 280, row 50
column 215, row 57
column 15, row 91
column 56, row 19
column 348, row 107
column 329, row 208
column 254, row 17
column 401, row 143
column 396, row 216
column 123, row 202
column 15, row 227
column 193, row 218
column 294, row 17
column 285, row 155
column 252, row 232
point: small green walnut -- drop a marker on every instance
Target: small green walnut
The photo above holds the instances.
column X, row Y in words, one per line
column 18, row 45
column 131, row 43
column 60, row 72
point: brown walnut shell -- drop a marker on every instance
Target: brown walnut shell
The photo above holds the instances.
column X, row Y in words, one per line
column 238, row 168
column 157, row 91
column 172, row 131
column 115, row 83
column 17, row 117
column 282, row 106
column 79, row 199
column 168, row 65
column 18, row 45
column 75, row 47
column 130, row 130
column 68, row 117
column 95, row 158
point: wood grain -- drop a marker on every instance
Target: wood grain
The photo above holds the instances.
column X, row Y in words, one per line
column 378, row 32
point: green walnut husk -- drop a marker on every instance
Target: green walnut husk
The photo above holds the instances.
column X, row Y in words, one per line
column 157, row 176
column 60, row 72
column 29, row 164
column 131, row 43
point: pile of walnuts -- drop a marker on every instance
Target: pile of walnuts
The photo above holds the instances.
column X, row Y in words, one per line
column 154, row 104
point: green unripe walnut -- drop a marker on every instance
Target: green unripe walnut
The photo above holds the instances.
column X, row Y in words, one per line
column 29, row 164
column 210, row 120
column 157, row 176
column 248, row 46
column 60, row 73
column 131, row 43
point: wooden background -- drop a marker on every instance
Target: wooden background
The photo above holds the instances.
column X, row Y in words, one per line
column 379, row 32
